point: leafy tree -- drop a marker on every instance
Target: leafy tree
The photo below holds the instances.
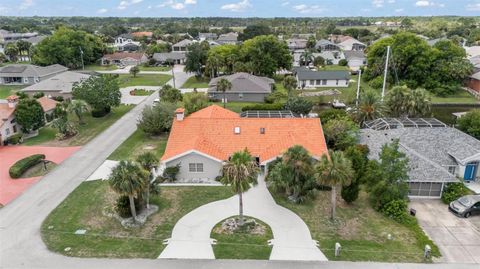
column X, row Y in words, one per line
column 157, row 119
column 100, row 92
column 293, row 174
column 78, row 107
column 148, row 161
column 194, row 101
column 319, row 61
column 170, row 94
column 289, row 83
column 224, row 85
column 157, row 48
column 128, row 179
column 333, row 114
column 134, row 71
column 470, row 123
column 404, row 102
column 370, row 107
column 197, row 57
column 298, row 105
column 358, row 156
column 334, row 171
column 24, row 47
column 11, row 50
column 29, row 114
column 340, row 133
column 224, row 58
column 343, row 62
column 306, row 57
column 65, row 47
column 65, row 128
column 252, row 31
column 3, row 58
column 239, row 172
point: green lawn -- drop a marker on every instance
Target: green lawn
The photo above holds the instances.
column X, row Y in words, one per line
column 86, row 132
column 461, row 97
column 155, row 68
column 6, row 91
column 105, row 236
column 360, row 230
column 233, row 106
column 95, row 67
column 241, row 244
column 137, row 143
column 196, row 82
column 127, row 80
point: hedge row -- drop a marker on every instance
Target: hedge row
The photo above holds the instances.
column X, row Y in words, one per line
column 275, row 106
column 24, row 164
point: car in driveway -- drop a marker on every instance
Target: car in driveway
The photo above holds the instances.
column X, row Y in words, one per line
column 466, row 206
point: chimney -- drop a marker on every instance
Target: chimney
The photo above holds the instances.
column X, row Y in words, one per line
column 180, row 114
column 12, row 101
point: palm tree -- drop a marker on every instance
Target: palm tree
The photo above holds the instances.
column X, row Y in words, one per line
column 421, row 103
column 404, row 102
column 148, row 161
column 307, row 57
column 127, row 178
column 224, row 85
column 334, row 171
column 370, row 107
column 289, row 83
column 299, row 165
column 11, row 50
column 134, row 70
column 78, row 107
column 239, row 172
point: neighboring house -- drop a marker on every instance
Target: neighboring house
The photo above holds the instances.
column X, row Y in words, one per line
column 207, row 36
column 307, row 78
column 338, row 38
column 474, row 82
column 34, row 40
column 333, row 56
column 6, row 36
column 355, row 59
column 59, row 85
column 352, row 44
column 125, row 43
column 326, row 45
column 124, row 58
column 182, row 46
column 8, row 125
column 27, row 74
column 296, row 44
column 142, row 34
column 203, row 141
column 245, row 87
column 437, row 154
column 48, row 106
column 170, row 57
column 229, row 38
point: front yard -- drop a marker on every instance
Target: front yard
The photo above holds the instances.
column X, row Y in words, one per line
column 155, row 68
column 361, row 231
column 195, row 82
column 95, row 67
column 6, row 91
column 127, row 80
column 137, row 143
column 105, row 236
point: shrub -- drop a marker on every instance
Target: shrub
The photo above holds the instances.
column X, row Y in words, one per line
column 350, row 193
column 332, row 114
column 453, row 191
column 15, row 139
column 376, row 83
column 194, row 101
column 21, row 95
column 170, row 173
column 397, row 210
column 276, row 106
column 170, row 94
column 21, row 166
column 298, row 105
column 102, row 112
column 58, row 98
column 38, row 95
column 122, row 206
column 157, row 119
column 342, row 62
column 276, row 97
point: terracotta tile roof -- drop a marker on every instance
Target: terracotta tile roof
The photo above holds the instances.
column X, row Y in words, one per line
column 142, row 34
column 47, row 103
column 123, row 55
column 12, row 97
column 211, row 131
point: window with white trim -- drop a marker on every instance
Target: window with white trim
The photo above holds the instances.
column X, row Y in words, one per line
column 195, row 167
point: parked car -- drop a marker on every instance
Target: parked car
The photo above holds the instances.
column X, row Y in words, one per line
column 466, row 206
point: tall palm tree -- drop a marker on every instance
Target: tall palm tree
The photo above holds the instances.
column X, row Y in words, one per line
column 78, row 107
column 289, row 83
column 148, row 161
column 224, row 85
column 11, row 50
column 334, row 171
column 299, row 165
column 370, row 107
column 405, row 102
column 421, row 103
column 307, row 57
column 127, row 178
column 239, row 172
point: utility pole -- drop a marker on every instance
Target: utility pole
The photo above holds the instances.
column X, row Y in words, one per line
column 385, row 73
column 358, row 86
column 173, row 75
column 81, row 53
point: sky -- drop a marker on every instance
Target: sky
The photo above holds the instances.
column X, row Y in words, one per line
column 238, row 8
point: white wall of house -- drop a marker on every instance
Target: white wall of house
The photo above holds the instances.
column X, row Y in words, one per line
column 211, row 168
column 318, row 83
column 9, row 128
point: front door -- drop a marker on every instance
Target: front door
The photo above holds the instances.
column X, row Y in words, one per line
column 470, row 171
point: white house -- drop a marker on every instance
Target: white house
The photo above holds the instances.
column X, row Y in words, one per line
column 182, row 46
column 125, row 43
column 355, row 59
column 307, row 78
column 352, row 44
column 8, row 125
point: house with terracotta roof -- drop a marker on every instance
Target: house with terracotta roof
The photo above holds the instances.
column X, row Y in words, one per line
column 201, row 142
column 142, row 34
column 124, row 58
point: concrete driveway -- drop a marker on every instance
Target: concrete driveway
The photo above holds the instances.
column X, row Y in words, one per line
column 457, row 238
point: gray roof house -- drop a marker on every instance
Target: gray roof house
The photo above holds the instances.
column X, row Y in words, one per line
column 245, row 87
column 326, row 45
column 438, row 154
column 27, row 74
column 170, row 57
column 207, row 36
column 228, row 38
column 59, row 85
column 307, row 78
column 355, row 59
column 182, row 46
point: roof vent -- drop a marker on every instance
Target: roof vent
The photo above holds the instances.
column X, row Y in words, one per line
column 262, row 130
column 236, row 130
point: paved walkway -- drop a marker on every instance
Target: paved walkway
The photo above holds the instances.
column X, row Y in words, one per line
column 128, row 99
column 292, row 239
column 473, row 186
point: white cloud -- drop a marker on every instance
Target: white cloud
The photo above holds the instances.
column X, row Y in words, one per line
column 102, row 10
column 285, row 4
column 237, row 7
column 176, row 4
column 398, row 10
column 124, row 4
column 425, row 3
column 306, row 9
column 391, row 1
column 378, row 3
column 473, row 7
column 190, row 2
column 26, row 4
column 4, row 10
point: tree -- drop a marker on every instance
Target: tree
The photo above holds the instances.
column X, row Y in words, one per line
column 358, row 155
column 24, row 47
column 343, row 62
column 370, row 107
column 404, row 102
column 298, row 105
column 307, row 57
column 64, row 127
column 78, row 107
column 11, row 50
column 134, row 71
column 224, row 85
column 65, row 47
column 334, row 171
column 157, row 48
column 170, row 94
column 29, row 114
column 194, row 101
column 148, row 161
column 128, row 179
column 340, row 133
column 239, row 172
column 293, row 174
column 470, row 123
column 319, row 61
column 197, row 57
column 157, row 119
column 252, row 31
column 289, row 83
column 100, row 92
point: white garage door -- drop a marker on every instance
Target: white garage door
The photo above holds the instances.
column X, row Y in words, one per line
column 426, row 189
